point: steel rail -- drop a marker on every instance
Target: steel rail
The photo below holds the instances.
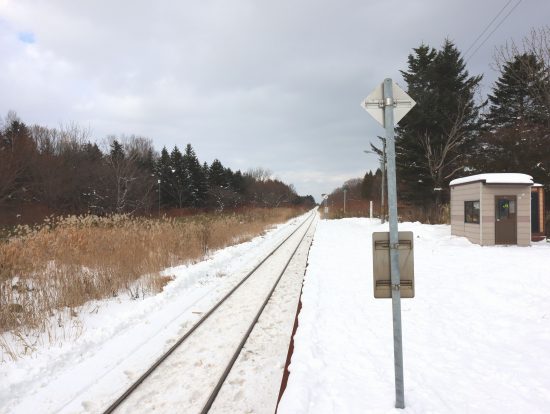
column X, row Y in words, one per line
column 163, row 357
column 237, row 352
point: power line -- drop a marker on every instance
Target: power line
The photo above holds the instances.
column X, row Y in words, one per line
column 487, row 27
column 498, row 25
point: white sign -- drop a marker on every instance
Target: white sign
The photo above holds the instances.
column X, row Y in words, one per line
column 374, row 103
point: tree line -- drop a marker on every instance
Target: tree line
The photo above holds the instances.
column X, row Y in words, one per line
column 64, row 171
column 452, row 132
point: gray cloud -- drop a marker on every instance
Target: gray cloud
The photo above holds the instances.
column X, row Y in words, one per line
column 271, row 84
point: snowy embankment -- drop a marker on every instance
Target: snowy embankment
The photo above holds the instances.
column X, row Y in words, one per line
column 122, row 337
column 476, row 337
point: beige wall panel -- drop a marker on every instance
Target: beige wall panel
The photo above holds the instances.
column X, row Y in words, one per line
column 472, row 232
column 458, row 231
column 488, row 230
column 524, row 240
column 523, row 195
column 460, row 194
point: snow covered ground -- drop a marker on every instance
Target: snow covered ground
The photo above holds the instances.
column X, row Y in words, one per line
column 476, row 337
column 122, row 337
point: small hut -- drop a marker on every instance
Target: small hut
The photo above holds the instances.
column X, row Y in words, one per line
column 491, row 209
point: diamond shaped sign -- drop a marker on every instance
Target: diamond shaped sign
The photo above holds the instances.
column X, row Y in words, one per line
column 374, row 103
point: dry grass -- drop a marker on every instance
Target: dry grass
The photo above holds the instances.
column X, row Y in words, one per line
column 426, row 215
column 354, row 208
column 62, row 264
column 406, row 212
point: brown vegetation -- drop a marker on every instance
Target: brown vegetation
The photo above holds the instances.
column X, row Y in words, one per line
column 65, row 262
column 359, row 193
column 361, row 208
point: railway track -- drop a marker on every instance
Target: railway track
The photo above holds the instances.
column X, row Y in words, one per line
column 189, row 376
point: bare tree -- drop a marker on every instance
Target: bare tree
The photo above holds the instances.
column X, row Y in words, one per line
column 269, row 193
column 443, row 156
column 63, row 173
column 131, row 184
column 259, row 174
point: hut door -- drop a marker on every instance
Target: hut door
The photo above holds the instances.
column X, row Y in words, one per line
column 505, row 220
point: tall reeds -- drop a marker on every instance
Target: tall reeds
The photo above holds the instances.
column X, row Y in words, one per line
column 65, row 262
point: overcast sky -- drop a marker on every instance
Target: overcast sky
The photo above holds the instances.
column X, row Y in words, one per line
column 254, row 83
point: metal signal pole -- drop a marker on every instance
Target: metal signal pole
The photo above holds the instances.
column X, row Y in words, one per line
column 388, row 104
column 382, row 201
column 394, row 246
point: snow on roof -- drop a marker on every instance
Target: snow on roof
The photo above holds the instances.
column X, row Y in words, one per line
column 495, row 178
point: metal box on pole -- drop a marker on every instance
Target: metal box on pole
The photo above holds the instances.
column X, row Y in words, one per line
column 381, row 273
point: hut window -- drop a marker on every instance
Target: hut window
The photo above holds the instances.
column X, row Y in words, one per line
column 471, row 212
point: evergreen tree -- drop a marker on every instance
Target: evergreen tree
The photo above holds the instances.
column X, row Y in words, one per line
column 92, row 152
column 517, row 126
column 370, row 185
column 515, row 94
column 238, row 182
column 217, row 175
column 180, row 184
column 434, row 140
column 198, row 185
column 163, row 172
column 219, row 191
column 229, row 178
column 117, row 152
column 17, row 151
column 366, row 185
column 206, row 172
column 235, row 182
column 89, row 179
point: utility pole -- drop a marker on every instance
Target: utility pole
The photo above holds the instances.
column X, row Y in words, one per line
column 325, row 199
column 159, row 194
column 383, row 170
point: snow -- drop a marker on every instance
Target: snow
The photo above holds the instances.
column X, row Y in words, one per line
column 475, row 338
column 254, row 382
column 186, row 376
column 495, row 178
column 122, row 337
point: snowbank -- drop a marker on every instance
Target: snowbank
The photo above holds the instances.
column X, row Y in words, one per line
column 475, row 337
column 495, row 178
